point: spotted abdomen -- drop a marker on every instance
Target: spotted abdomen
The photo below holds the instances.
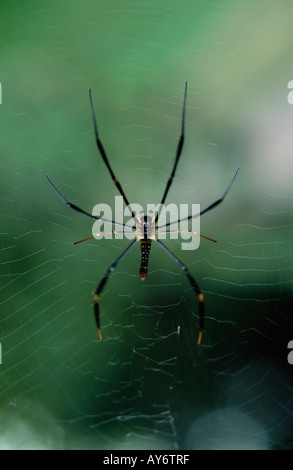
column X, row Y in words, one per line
column 145, row 246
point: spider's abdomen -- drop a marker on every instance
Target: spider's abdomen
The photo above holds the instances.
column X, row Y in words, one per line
column 145, row 246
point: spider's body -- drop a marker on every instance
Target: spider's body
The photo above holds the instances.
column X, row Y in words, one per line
column 146, row 226
column 145, row 246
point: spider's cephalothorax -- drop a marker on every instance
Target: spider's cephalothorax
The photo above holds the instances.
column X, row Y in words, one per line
column 147, row 226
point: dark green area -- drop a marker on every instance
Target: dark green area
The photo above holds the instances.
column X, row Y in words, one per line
column 148, row 385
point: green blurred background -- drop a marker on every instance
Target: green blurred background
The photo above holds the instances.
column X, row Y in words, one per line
column 146, row 386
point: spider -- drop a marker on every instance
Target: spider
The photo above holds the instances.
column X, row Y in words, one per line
column 147, row 226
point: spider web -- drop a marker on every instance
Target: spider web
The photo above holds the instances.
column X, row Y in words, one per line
column 148, row 385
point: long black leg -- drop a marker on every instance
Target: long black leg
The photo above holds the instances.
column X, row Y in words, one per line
column 78, row 209
column 178, row 153
column 194, row 286
column 222, row 197
column 105, row 158
column 102, row 285
column 210, row 207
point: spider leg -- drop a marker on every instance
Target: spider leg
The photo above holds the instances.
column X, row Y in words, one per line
column 69, row 204
column 78, row 209
column 103, row 233
column 178, row 153
column 194, row 286
column 105, row 158
column 186, row 231
column 210, row 207
column 103, row 283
